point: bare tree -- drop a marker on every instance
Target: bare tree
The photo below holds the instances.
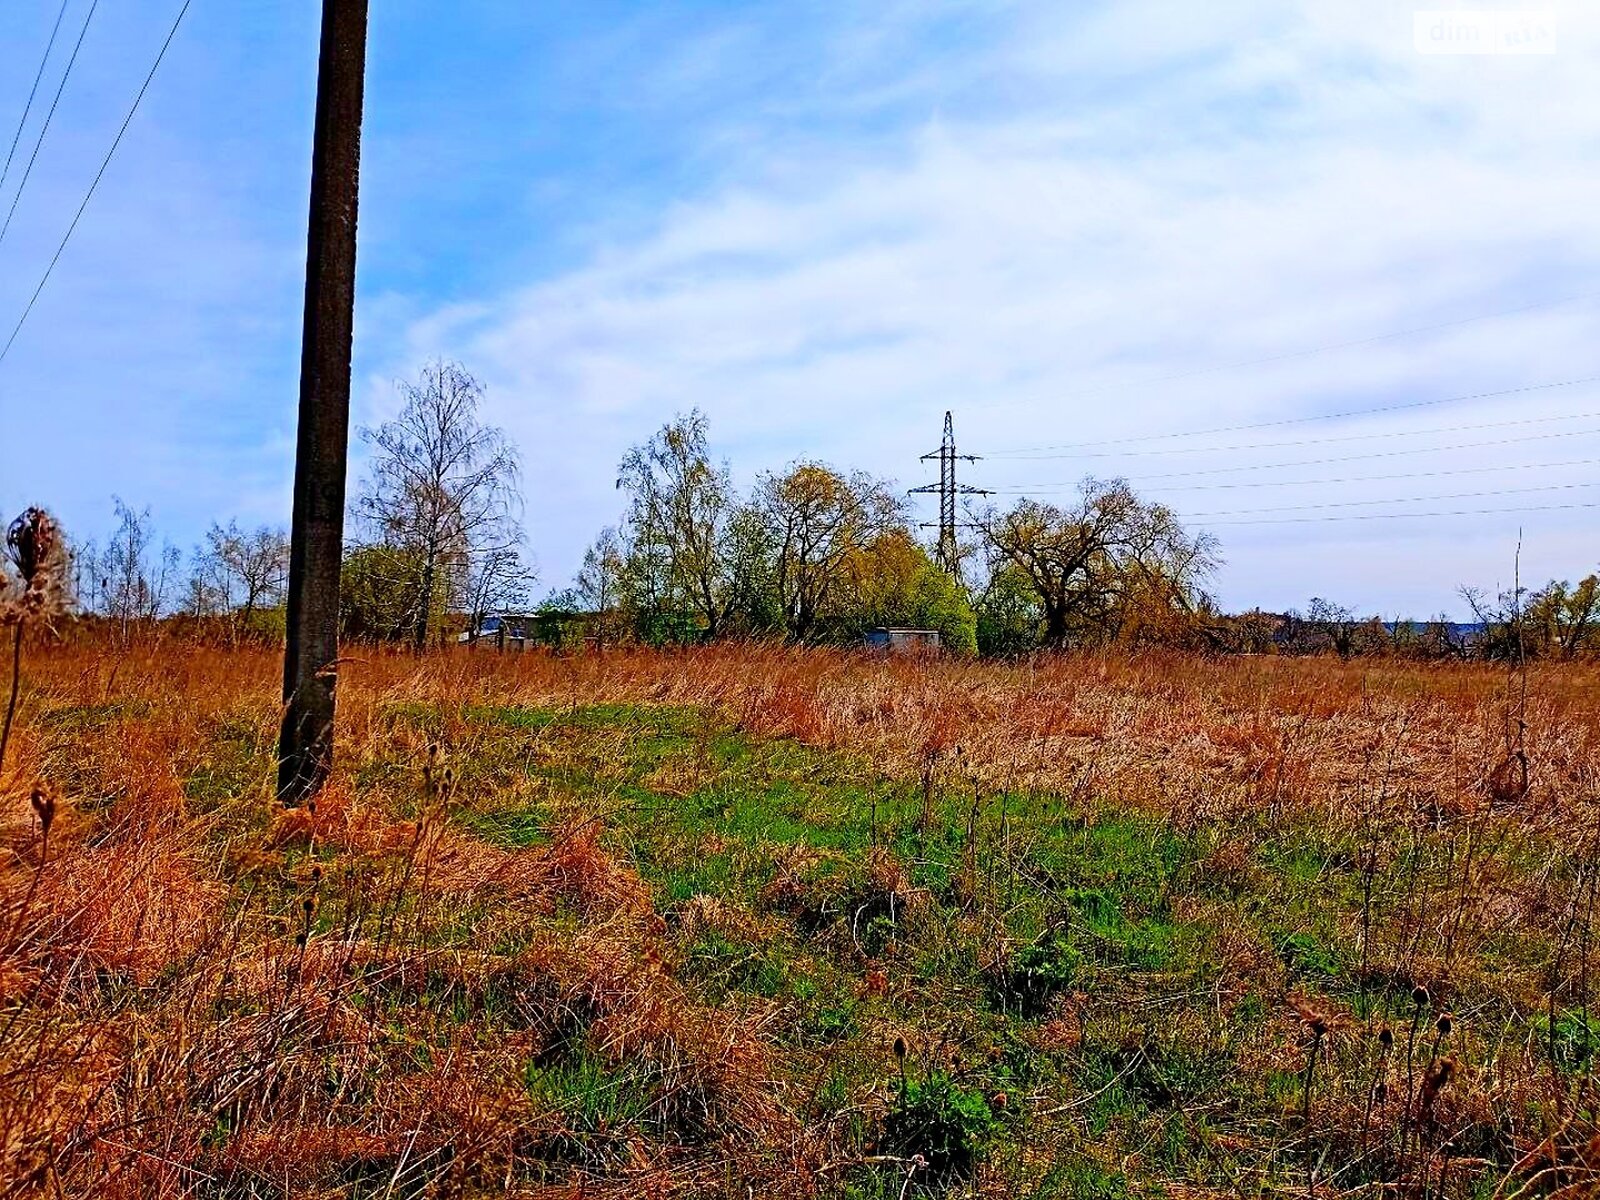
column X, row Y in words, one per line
column 249, row 570
column 442, row 487
column 601, row 580
column 499, row 579
column 202, row 595
column 136, row 579
column 88, row 576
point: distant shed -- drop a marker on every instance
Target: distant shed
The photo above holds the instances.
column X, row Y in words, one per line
column 904, row 641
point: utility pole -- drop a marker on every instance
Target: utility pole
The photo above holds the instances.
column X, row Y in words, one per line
column 316, row 540
column 948, row 554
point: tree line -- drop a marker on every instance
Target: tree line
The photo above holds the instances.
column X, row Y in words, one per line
column 813, row 553
column 434, row 538
column 808, row 553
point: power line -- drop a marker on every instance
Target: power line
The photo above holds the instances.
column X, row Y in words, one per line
column 1251, row 512
column 1315, row 462
column 1458, row 512
column 45, row 128
column 32, row 92
column 1338, row 416
column 1055, row 486
column 87, row 196
column 1346, row 437
column 1325, row 349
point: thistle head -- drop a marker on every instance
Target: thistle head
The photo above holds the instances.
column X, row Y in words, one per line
column 1316, row 1018
column 38, row 553
column 31, row 541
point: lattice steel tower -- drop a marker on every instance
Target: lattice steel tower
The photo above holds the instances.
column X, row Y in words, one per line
column 948, row 554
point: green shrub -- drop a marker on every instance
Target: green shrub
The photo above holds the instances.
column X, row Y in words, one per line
column 1036, row 974
column 1573, row 1041
column 943, row 1122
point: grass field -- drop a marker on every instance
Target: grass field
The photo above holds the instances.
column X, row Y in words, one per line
column 760, row 922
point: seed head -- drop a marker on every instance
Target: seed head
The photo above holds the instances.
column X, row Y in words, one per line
column 1312, row 1016
column 1386, row 1037
column 38, row 553
column 900, row 1048
column 1443, row 1024
column 44, row 807
column 1419, row 995
column 30, row 542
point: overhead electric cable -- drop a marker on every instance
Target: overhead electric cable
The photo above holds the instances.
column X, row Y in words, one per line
column 1459, row 512
column 1022, row 451
column 95, row 183
column 1319, row 441
column 32, row 92
column 45, row 128
column 1252, row 512
column 1316, row 462
column 1325, row 349
column 1056, row 486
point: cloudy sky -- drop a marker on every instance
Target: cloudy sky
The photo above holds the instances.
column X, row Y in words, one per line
column 824, row 224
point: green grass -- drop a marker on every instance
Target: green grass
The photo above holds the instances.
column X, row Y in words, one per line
column 1093, row 1008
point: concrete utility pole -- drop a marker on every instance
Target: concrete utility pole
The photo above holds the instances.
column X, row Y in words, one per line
column 316, row 544
column 948, row 554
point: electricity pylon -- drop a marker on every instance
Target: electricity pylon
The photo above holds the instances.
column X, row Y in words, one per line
column 948, row 553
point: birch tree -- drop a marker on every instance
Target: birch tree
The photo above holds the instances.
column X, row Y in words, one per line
column 442, row 486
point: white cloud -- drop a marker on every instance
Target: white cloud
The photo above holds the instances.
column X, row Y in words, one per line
column 825, row 225
column 1163, row 190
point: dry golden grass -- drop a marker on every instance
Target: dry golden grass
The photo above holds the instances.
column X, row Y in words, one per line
column 212, row 996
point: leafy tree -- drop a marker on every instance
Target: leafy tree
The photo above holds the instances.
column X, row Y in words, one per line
column 1010, row 620
column 601, row 581
column 1101, row 566
column 818, row 520
column 1565, row 619
column 1557, row 620
column 679, row 522
column 377, row 593
column 895, row 583
column 755, row 609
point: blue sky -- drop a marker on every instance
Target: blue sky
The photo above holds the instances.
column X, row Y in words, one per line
column 825, row 224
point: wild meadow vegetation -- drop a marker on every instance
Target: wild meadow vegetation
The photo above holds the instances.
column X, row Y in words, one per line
column 757, row 921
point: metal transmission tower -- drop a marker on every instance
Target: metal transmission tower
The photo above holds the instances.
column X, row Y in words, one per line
column 948, row 554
